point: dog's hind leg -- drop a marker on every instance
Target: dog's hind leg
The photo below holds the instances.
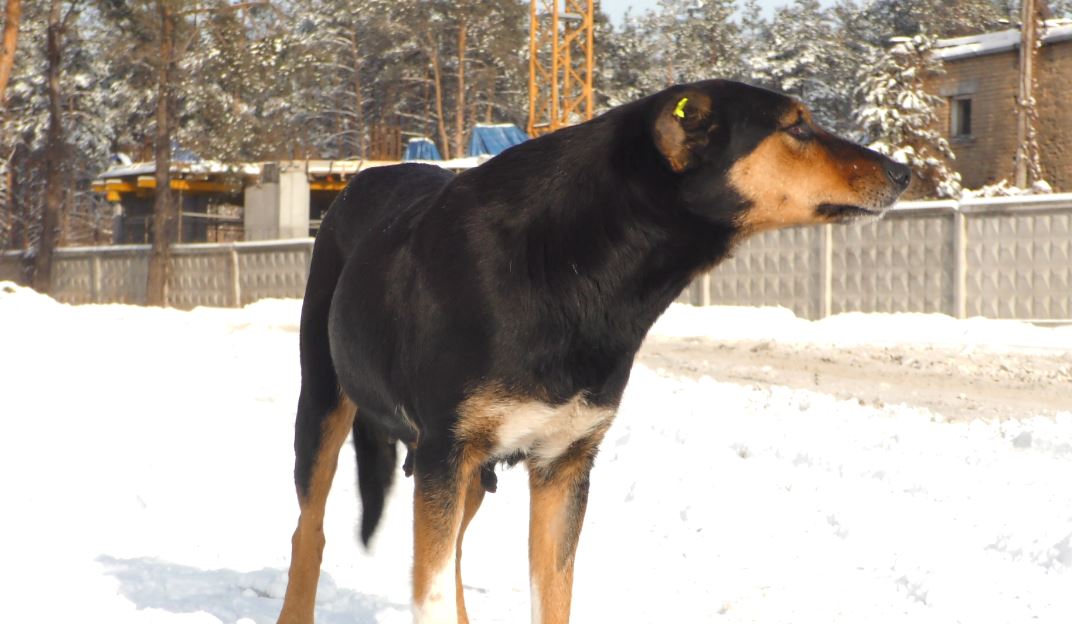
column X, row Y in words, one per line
column 307, row 545
column 474, row 495
column 442, row 506
column 558, row 491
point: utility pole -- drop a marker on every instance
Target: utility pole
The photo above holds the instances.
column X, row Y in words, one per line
column 1027, row 165
column 561, row 64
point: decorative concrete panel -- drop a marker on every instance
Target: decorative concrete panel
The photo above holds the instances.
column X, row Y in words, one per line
column 273, row 274
column 1020, row 265
column 200, row 279
column 123, row 278
column 11, row 267
column 899, row 264
column 72, row 279
column 779, row 268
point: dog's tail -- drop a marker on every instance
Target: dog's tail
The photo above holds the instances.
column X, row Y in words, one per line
column 377, row 456
column 376, row 452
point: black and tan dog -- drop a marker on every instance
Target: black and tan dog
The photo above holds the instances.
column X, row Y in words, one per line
column 494, row 315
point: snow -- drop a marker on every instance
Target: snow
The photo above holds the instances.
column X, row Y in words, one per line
column 855, row 328
column 157, row 488
column 1002, row 41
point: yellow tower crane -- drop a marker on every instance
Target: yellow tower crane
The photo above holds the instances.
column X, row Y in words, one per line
column 560, row 64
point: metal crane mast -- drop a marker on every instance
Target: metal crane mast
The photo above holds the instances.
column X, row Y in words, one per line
column 560, row 64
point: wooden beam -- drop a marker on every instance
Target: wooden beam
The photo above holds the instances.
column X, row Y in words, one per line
column 327, row 185
column 119, row 186
column 192, row 186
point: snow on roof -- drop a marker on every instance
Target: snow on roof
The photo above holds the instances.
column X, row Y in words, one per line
column 199, row 167
column 1001, row 41
column 312, row 167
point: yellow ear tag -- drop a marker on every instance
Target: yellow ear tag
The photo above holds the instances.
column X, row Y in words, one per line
column 679, row 110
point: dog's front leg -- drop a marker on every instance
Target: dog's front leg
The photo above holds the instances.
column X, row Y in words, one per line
column 558, row 491
column 445, row 481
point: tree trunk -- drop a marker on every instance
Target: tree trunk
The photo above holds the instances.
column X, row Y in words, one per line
column 164, row 217
column 42, row 274
column 491, row 97
column 359, row 99
column 459, row 101
column 437, row 81
column 12, row 17
column 19, row 237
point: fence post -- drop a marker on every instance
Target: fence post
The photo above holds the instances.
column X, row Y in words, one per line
column 960, row 264
column 826, row 270
column 95, row 295
column 236, row 282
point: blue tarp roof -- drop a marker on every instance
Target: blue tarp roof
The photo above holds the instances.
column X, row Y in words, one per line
column 421, row 148
column 491, row 139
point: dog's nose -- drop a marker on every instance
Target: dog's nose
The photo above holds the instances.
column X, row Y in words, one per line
column 899, row 174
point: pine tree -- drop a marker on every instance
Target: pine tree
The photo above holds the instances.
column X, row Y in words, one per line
column 942, row 18
column 628, row 65
column 898, row 116
column 697, row 40
column 87, row 93
column 805, row 56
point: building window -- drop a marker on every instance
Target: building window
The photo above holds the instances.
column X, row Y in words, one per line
column 961, row 118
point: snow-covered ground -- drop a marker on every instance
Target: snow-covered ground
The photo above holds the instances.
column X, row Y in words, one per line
column 146, row 464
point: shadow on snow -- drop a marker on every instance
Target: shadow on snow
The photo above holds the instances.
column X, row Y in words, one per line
column 229, row 595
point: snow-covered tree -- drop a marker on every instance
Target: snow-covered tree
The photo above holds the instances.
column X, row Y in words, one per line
column 678, row 41
column 804, row 55
column 898, row 116
column 942, row 18
column 87, row 91
column 627, row 63
column 233, row 76
column 697, row 40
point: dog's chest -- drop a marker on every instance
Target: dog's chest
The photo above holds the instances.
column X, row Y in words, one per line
column 542, row 432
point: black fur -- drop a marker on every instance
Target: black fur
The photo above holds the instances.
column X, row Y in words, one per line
column 540, row 271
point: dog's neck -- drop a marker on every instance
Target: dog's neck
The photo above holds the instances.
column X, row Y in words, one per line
column 604, row 263
column 644, row 245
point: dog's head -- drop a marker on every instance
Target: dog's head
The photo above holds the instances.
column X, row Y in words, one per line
column 758, row 155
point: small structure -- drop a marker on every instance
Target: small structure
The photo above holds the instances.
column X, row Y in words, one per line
column 492, row 139
column 421, row 148
column 209, row 194
column 980, row 86
column 239, row 201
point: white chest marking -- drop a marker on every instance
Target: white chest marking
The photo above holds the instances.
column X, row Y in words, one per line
column 541, row 431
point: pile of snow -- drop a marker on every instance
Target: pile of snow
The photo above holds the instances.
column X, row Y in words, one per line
column 1004, row 189
column 731, row 323
column 147, row 461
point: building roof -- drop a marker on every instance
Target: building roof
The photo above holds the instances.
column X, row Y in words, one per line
column 1001, row 41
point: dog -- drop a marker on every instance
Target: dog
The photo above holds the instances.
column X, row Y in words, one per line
column 494, row 315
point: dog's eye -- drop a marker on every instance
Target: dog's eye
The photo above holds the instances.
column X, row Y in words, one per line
column 801, row 131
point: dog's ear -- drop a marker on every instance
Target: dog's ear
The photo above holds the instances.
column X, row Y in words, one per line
column 682, row 128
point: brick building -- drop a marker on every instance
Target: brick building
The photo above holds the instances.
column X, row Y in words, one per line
column 979, row 116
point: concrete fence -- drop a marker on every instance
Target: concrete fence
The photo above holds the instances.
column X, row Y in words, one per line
column 221, row 275
column 1008, row 257
column 999, row 258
